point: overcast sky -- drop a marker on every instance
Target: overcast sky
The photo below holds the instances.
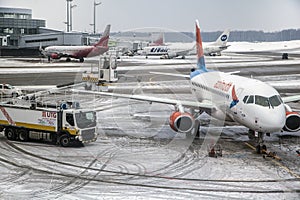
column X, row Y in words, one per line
column 179, row 15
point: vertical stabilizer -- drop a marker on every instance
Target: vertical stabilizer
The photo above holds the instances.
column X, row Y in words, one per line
column 103, row 42
column 199, row 47
column 223, row 38
column 159, row 41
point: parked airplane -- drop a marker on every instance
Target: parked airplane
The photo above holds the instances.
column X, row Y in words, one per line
column 78, row 52
column 225, row 96
column 165, row 51
column 215, row 48
column 169, row 52
column 130, row 47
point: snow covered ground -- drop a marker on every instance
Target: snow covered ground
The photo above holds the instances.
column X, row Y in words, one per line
column 284, row 46
column 137, row 155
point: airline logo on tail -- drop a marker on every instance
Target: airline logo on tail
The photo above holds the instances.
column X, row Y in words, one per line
column 235, row 99
column 224, row 38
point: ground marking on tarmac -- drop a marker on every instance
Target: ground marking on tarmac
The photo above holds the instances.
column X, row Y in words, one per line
column 277, row 163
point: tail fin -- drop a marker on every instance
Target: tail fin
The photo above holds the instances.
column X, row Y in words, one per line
column 223, row 38
column 200, row 53
column 103, row 42
column 159, row 41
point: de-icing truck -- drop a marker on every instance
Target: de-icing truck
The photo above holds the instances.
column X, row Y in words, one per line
column 62, row 124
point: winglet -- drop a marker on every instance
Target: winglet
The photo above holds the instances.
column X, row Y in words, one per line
column 199, row 47
column 103, row 42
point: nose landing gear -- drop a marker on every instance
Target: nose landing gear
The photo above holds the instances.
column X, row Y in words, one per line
column 258, row 139
column 260, row 147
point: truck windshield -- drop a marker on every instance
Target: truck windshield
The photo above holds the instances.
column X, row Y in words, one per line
column 85, row 119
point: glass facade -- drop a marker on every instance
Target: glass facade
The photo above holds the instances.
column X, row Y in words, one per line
column 17, row 21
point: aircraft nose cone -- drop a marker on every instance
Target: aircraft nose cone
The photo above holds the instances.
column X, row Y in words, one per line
column 275, row 122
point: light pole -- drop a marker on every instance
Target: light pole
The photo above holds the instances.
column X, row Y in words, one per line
column 68, row 14
column 71, row 21
column 95, row 4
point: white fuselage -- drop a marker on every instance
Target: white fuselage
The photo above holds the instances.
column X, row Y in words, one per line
column 214, row 49
column 75, row 51
column 266, row 113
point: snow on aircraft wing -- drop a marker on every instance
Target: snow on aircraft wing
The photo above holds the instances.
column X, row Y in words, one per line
column 291, row 98
column 171, row 74
column 194, row 104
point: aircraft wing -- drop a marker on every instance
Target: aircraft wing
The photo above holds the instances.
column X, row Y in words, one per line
column 150, row 99
column 291, row 98
column 171, row 74
column 224, row 47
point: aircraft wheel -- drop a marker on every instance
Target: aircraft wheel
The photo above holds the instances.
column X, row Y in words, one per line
column 251, row 134
column 258, row 149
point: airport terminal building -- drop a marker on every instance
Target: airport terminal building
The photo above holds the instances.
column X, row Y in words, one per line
column 22, row 35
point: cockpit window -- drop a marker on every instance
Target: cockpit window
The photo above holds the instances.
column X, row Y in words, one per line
column 275, row 100
column 245, row 99
column 262, row 101
column 250, row 99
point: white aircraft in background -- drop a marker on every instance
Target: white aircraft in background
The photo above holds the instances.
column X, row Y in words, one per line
column 131, row 47
column 249, row 102
column 171, row 51
column 78, row 52
column 215, row 48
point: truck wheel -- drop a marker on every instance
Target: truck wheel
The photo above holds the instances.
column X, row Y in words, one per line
column 23, row 135
column 64, row 140
column 10, row 134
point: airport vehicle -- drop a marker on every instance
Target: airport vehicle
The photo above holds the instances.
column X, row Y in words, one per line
column 62, row 124
column 106, row 72
column 130, row 48
column 169, row 52
column 229, row 98
column 7, row 90
column 78, row 52
column 215, row 48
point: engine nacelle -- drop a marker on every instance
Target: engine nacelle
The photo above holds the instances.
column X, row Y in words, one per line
column 182, row 122
column 292, row 123
column 55, row 56
column 172, row 54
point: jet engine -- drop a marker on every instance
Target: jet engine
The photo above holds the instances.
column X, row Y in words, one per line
column 172, row 54
column 182, row 122
column 55, row 56
column 292, row 123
